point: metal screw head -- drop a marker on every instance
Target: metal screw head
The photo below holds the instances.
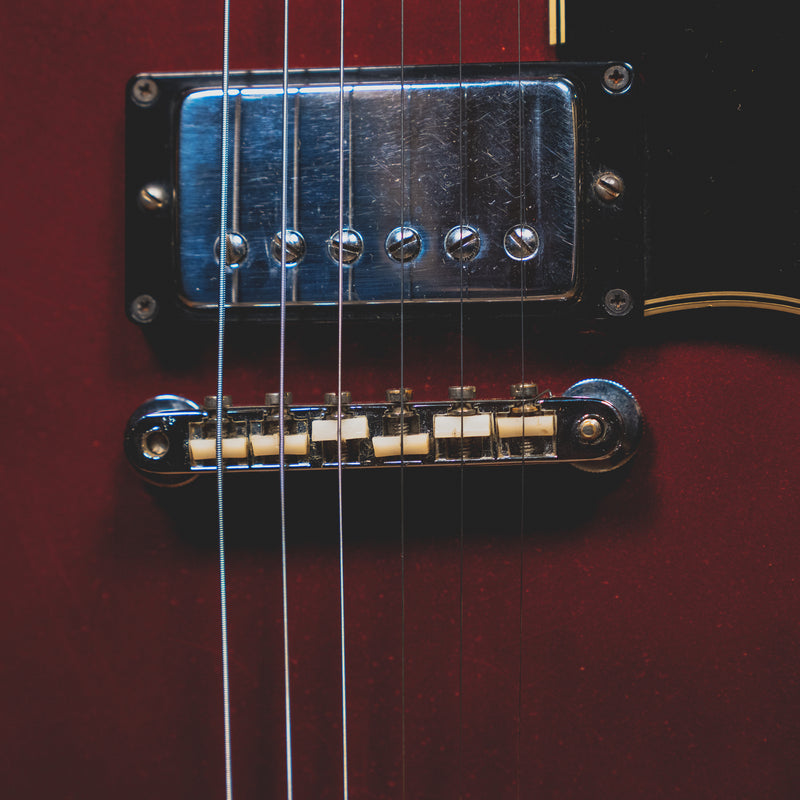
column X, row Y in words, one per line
column 403, row 244
column 608, row 187
column 154, row 444
column 273, row 399
column 153, row 197
column 589, row 429
column 617, row 78
column 295, row 247
column 352, row 246
column 144, row 92
column 521, row 243
column 461, row 392
column 617, row 302
column 236, row 251
column 144, row 308
column 394, row 395
column 332, row 398
column 462, row 243
column 524, row 391
column 210, row 402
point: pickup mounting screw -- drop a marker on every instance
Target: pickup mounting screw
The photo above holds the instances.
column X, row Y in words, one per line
column 352, row 246
column 617, row 78
column 144, row 92
column 608, row 186
column 153, row 197
column 403, row 244
column 521, row 243
column 295, row 247
column 617, row 302
column 462, row 243
column 144, row 308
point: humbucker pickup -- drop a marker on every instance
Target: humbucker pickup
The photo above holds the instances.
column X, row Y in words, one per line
column 595, row 425
column 489, row 187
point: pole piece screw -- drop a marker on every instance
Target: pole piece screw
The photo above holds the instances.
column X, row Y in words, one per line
column 236, row 251
column 403, row 244
column 521, row 243
column 295, row 247
column 462, row 243
column 352, row 246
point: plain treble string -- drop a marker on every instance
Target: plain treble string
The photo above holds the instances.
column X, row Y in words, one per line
column 282, row 395
column 223, row 259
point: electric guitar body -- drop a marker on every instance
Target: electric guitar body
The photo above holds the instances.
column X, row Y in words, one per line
column 511, row 631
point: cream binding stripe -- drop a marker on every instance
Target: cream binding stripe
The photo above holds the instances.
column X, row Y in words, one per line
column 687, row 302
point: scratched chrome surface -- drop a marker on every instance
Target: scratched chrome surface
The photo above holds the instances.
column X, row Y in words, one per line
column 428, row 195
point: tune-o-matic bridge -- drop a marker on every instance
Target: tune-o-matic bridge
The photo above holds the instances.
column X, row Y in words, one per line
column 489, row 186
column 596, row 425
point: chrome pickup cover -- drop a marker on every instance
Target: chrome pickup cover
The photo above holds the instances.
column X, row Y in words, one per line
column 433, row 157
column 498, row 158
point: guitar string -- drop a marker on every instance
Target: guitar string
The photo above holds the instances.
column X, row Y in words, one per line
column 462, row 214
column 340, row 313
column 223, row 252
column 282, row 390
column 403, row 755
column 523, row 215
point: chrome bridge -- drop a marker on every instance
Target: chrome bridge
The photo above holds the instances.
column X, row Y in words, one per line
column 488, row 188
column 595, row 425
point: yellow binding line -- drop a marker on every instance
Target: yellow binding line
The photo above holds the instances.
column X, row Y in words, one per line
column 687, row 302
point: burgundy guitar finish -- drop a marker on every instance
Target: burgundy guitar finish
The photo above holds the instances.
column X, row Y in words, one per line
column 658, row 642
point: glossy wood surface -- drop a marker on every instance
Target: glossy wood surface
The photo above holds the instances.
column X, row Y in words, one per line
column 623, row 636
